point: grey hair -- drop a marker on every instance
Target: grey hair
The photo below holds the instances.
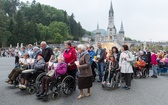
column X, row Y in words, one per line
column 81, row 46
column 60, row 57
column 43, row 42
column 35, row 47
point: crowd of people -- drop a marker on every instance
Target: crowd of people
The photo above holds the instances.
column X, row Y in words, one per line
column 80, row 62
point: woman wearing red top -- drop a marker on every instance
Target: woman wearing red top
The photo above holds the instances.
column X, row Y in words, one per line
column 154, row 64
column 70, row 56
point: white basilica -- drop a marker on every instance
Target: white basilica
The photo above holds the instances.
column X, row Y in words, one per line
column 112, row 35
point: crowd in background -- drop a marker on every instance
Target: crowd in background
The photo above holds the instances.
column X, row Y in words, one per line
column 82, row 60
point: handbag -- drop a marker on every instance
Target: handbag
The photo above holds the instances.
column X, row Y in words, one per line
column 50, row 73
column 131, row 62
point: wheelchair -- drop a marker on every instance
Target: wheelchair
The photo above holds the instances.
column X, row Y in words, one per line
column 31, row 86
column 142, row 73
column 162, row 68
column 116, row 80
column 63, row 83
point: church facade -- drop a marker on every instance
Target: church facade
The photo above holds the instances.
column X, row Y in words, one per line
column 112, row 34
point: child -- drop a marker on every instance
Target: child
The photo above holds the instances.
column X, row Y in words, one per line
column 111, row 67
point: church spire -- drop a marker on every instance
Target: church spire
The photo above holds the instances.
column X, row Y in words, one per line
column 111, row 12
column 97, row 31
column 121, row 28
column 97, row 26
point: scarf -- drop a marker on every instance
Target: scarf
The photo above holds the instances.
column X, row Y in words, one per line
column 83, row 53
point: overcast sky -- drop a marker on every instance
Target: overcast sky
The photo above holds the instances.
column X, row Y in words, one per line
column 142, row 19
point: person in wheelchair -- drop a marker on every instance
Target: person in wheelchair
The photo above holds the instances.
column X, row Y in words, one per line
column 16, row 71
column 111, row 67
column 162, row 65
column 139, row 65
column 52, row 75
column 38, row 67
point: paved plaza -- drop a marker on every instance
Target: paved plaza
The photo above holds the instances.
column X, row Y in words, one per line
column 147, row 91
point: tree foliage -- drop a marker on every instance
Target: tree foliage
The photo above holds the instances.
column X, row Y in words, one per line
column 22, row 22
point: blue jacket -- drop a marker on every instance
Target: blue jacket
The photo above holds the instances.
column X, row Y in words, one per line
column 92, row 54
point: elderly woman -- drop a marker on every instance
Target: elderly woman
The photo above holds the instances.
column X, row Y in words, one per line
column 61, row 69
column 16, row 71
column 85, row 71
column 125, row 60
column 38, row 65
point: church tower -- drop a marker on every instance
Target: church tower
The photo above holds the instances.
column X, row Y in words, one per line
column 111, row 29
column 98, row 34
column 121, row 34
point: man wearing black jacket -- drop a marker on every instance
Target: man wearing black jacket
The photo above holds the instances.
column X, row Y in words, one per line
column 100, row 53
column 148, row 55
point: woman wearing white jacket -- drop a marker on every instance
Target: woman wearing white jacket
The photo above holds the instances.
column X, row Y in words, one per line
column 126, row 58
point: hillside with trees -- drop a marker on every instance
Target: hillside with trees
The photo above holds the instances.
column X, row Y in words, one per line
column 33, row 22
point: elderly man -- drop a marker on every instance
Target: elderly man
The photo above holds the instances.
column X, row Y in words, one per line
column 47, row 52
column 148, row 55
column 100, row 53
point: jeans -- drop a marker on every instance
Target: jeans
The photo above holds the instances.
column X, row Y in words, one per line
column 154, row 68
column 100, row 70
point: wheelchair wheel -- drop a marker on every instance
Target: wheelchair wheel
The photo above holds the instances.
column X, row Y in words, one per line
column 113, row 83
column 68, row 85
column 38, row 81
column 144, row 73
column 32, row 90
column 55, row 87
column 55, row 95
column 118, row 80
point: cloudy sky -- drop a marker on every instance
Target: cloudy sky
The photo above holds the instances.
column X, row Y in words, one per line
column 143, row 19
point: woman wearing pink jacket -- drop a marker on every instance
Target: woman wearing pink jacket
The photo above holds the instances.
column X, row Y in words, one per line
column 61, row 69
column 154, row 64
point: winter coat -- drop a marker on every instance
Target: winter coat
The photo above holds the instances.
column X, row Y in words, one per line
column 125, row 65
column 92, row 54
column 61, row 69
column 153, row 59
column 113, row 68
column 140, row 64
column 85, row 67
column 70, row 56
column 39, row 65
column 102, row 55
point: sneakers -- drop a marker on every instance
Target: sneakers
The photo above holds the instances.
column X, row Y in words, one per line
column 22, row 86
column 124, row 87
column 153, row 76
column 128, row 88
column 98, row 81
column 108, row 83
column 103, row 83
column 39, row 94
